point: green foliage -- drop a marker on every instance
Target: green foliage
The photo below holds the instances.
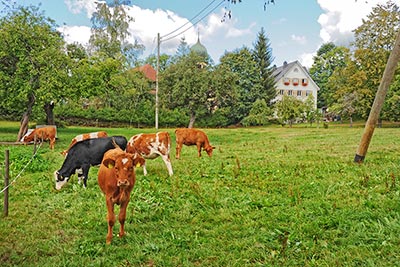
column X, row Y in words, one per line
column 262, row 54
column 254, row 203
column 110, row 23
column 186, row 85
column 33, row 67
column 260, row 114
column 329, row 58
column 289, row 109
column 242, row 64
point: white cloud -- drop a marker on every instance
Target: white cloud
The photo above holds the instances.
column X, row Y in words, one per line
column 147, row 23
column 341, row 17
column 80, row 34
column 299, row 39
column 78, row 6
column 306, row 59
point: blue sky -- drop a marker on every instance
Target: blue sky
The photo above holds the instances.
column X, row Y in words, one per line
column 295, row 28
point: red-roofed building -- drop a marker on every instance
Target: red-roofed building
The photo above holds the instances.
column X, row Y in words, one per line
column 148, row 71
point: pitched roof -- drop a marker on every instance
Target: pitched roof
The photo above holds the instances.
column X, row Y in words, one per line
column 148, row 71
column 279, row 72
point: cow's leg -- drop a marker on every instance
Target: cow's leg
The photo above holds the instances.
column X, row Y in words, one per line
column 178, row 150
column 122, row 216
column 144, row 169
column 80, row 175
column 85, row 170
column 52, row 142
column 110, row 219
column 167, row 162
column 198, row 149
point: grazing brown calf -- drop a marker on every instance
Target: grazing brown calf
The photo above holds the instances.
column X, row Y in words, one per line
column 150, row 146
column 190, row 137
column 82, row 137
column 116, row 179
column 42, row 134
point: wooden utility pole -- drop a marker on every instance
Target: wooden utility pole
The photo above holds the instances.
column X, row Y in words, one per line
column 6, row 181
column 157, row 70
column 373, row 117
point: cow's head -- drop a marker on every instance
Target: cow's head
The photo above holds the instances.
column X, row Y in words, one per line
column 60, row 180
column 209, row 150
column 123, row 166
column 27, row 139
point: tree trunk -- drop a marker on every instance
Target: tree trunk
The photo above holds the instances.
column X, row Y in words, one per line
column 192, row 120
column 24, row 126
column 351, row 122
column 48, row 108
column 387, row 77
column 25, row 117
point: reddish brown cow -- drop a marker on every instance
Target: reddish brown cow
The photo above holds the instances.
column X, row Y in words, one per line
column 150, row 146
column 116, row 179
column 42, row 134
column 190, row 137
column 82, row 137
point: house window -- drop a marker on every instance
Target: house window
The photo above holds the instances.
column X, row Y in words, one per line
column 304, row 82
column 308, row 92
column 286, row 81
column 296, row 70
column 290, row 92
column 281, row 92
column 295, row 81
column 299, row 93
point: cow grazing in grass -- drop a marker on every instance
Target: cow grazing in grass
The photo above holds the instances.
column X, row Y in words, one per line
column 84, row 154
column 190, row 137
column 42, row 134
column 116, row 179
column 82, row 137
column 150, row 146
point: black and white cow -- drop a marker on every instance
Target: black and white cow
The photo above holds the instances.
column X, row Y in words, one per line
column 84, row 154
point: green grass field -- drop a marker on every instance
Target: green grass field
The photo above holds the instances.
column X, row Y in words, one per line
column 269, row 196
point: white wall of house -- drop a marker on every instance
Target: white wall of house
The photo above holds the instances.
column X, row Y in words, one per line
column 296, row 82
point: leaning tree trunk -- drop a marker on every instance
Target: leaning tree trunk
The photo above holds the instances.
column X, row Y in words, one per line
column 25, row 118
column 387, row 77
column 192, row 120
column 48, row 108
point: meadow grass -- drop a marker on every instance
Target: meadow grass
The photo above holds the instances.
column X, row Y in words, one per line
column 269, row 196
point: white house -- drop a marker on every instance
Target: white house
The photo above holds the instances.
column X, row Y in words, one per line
column 293, row 79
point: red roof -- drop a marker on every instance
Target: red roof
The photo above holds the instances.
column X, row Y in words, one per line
column 148, row 71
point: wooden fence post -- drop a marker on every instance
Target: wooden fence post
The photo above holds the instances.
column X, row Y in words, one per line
column 34, row 144
column 6, row 181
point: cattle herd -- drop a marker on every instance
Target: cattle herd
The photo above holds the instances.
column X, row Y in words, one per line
column 117, row 158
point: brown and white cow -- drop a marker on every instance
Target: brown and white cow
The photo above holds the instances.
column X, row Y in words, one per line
column 190, row 137
column 116, row 179
column 150, row 146
column 82, row 137
column 42, row 134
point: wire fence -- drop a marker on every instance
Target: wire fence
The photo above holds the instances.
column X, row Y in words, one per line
column 23, row 169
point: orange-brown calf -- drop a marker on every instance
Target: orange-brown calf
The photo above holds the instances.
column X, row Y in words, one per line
column 190, row 137
column 116, row 179
column 82, row 137
column 42, row 134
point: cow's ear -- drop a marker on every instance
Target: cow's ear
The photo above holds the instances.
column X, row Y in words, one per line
column 213, row 147
column 137, row 160
column 109, row 163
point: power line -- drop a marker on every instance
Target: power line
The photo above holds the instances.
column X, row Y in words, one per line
column 220, row 3
column 189, row 20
